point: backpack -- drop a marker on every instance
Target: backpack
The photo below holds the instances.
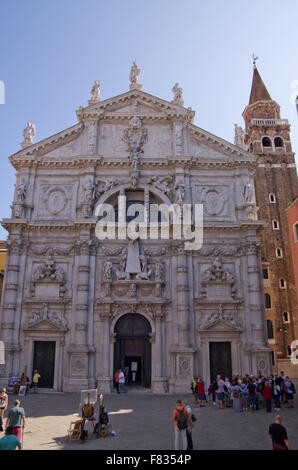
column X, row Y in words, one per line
column 181, row 419
column 2, row 402
column 236, row 393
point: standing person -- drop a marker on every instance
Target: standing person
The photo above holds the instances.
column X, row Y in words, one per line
column 3, row 406
column 10, row 441
column 190, row 425
column 201, row 392
column 16, row 419
column 276, row 396
column 121, row 381
column 212, row 391
column 290, row 390
column 116, row 379
column 252, row 395
column 279, row 436
column 220, row 393
column 181, row 423
column 267, row 393
column 236, row 396
column 193, row 387
column 35, row 380
column 227, row 389
column 244, row 394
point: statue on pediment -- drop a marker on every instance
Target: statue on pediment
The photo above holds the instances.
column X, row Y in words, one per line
column 28, row 133
column 134, row 73
column 95, row 91
column 177, row 90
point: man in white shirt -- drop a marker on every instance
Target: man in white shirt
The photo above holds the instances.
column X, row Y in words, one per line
column 121, row 382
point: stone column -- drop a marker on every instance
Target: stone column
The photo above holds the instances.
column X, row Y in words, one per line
column 256, row 306
column 158, row 381
column 9, row 304
column 104, row 381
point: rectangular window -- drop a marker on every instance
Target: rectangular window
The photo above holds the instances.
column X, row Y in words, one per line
column 265, row 273
column 295, row 227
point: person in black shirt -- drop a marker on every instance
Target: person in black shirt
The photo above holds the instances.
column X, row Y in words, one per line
column 279, row 436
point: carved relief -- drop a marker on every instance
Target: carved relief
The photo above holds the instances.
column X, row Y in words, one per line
column 135, row 136
column 49, row 272
column 51, row 317
column 55, row 201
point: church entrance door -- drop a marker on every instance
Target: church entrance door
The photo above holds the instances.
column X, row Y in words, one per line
column 44, row 362
column 220, row 360
column 132, row 349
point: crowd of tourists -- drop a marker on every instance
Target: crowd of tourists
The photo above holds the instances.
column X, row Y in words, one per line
column 246, row 393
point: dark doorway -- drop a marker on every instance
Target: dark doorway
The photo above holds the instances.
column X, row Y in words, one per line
column 220, row 360
column 132, row 349
column 44, row 362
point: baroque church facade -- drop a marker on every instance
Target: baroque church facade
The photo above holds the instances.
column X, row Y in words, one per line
column 77, row 307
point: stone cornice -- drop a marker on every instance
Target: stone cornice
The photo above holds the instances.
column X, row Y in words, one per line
column 76, row 225
column 97, row 161
column 49, row 144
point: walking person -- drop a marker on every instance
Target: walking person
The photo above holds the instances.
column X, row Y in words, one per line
column 10, row 441
column 236, row 396
column 267, row 393
column 190, row 425
column 279, row 436
column 244, row 394
column 16, row 419
column 3, row 406
column 181, row 423
column 35, row 380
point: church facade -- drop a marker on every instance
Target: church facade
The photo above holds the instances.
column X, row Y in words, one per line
column 77, row 308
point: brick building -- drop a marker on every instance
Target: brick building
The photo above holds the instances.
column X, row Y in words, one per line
column 268, row 137
column 292, row 216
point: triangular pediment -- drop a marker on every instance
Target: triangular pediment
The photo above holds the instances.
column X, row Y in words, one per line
column 135, row 102
column 221, row 325
column 42, row 325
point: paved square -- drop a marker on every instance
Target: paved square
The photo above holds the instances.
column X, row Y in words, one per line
column 144, row 421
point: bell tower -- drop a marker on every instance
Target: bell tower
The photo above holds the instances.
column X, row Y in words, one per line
column 268, row 137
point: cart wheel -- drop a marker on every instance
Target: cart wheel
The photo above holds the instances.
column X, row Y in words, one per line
column 103, row 433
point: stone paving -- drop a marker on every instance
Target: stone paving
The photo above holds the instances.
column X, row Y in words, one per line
column 144, row 421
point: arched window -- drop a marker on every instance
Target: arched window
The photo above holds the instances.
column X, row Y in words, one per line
column 267, row 301
column 270, row 329
column 272, row 198
column 278, row 142
column 266, row 142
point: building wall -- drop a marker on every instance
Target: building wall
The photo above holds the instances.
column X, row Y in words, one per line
column 292, row 216
column 62, row 284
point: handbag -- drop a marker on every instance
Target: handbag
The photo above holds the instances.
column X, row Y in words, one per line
column 193, row 418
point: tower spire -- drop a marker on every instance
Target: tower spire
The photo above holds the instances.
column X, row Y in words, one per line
column 258, row 90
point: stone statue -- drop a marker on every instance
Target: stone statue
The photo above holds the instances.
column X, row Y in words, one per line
column 248, row 193
column 145, row 272
column 28, row 133
column 239, row 136
column 134, row 73
column 89, row 192
column 107, row 271
column 21, row 190
column 177, row 90
column 95, row 91
column 180, row 192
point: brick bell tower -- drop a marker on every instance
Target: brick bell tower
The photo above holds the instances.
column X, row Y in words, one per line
column 268, row 137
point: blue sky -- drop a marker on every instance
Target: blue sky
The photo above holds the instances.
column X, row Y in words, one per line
column 52, row 51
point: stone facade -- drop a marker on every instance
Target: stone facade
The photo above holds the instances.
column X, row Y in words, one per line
column 268, row 137
column 63, row 285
